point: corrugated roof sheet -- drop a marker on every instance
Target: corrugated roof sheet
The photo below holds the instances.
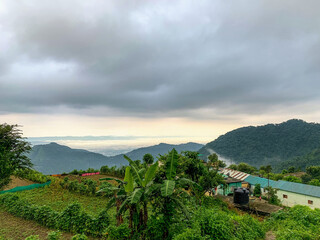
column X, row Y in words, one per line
column 298, row 188
column 286, row 186
column 234, row 174
column 253, row 180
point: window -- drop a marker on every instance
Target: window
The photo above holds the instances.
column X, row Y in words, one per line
column 310, row 202
column 285, row 196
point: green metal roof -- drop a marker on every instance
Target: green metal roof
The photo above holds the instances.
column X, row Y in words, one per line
column 253, row 180
column 298, row 188
column 285, row 186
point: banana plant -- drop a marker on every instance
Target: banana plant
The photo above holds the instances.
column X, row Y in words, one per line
column 119, row 196
column 139, row 186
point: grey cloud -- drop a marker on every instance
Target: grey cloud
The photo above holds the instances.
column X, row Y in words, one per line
column 161, row 58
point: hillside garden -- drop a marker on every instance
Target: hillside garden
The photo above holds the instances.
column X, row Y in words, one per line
column 163, row 200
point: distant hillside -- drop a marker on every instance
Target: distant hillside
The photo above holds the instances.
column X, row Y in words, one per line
column 268, row 144
column 310, row 159
column 54, row 158
column 155, row 150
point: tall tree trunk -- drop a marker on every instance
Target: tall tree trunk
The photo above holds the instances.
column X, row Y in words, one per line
column 145, row 209
column 119, row 217
column 131, row 217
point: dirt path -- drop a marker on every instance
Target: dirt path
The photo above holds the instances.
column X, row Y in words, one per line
column 270, row 236
column 15, row 228
column 17, row 182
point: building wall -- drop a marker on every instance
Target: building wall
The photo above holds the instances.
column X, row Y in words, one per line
column 229, row 189
column 297, row 199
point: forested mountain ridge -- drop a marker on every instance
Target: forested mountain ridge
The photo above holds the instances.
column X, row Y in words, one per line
column 268, row 144
column 54, row 158
column 302, row 162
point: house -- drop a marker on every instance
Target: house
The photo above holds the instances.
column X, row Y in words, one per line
column 233, row 179
column 228, row 188
column 289, row 193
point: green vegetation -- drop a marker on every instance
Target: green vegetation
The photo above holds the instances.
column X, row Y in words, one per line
column 54, row 158
column 312, row 158
column 164, row 200
column 299, row 222
column 13, row 149
column 269, row 144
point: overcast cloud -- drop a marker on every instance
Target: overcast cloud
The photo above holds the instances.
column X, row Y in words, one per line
column 159, row 58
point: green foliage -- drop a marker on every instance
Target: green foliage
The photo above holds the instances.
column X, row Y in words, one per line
column 257, row 190
column 215, row 224
column 33, row 237
column 13, row 149
column 54, row 235
column 148, row 158
column 86, row 187
column 305, row 160
column 272, row 196
column 32, row 175
column 269, row 144
column 314, row 182
column 167, row 188
column 72, row 219
column 298, row 222
column 292, row 179
column 190, row 234
column 243, row 167
column 121, row 232
column 80, row 237
column 313, row 171
column 171, row 164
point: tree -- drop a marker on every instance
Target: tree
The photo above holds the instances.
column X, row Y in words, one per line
column 13, row 149
column 313, row 171
column 291, row 169
column 213, row 160
column 272, row 196
column 148, row 158
column 257, row 190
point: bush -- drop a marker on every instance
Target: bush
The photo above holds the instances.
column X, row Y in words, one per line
column 33, row 237
column 79, row 237
column 54, row 235
column 121, row 232
column 72, row 218
column 216, row 224
column 190, row 234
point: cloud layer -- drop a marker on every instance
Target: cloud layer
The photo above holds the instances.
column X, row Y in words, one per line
column 159, row 58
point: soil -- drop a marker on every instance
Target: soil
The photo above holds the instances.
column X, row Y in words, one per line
column 17, row 182
column 270, row 236
column 15, row 228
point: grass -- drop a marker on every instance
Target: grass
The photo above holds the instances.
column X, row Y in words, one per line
column 58, row 198
column 15, row 228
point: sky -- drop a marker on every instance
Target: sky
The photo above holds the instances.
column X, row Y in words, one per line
column 168, row 70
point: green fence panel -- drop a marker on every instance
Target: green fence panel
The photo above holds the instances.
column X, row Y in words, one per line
column 29, row 187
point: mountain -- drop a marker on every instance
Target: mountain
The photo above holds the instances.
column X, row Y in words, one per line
column 268, row 144
column 54, row 158
column 302, row 162
column 155, row 150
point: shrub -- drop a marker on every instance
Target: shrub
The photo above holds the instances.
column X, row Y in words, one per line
column 190, row 234
column 216, row 224
column 33, row 237
column 54, row 235
column 72, row 218
column 79, row 237
column 121, row 232
column 257, row 190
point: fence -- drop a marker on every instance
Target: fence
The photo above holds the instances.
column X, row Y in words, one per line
column 29, row 187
